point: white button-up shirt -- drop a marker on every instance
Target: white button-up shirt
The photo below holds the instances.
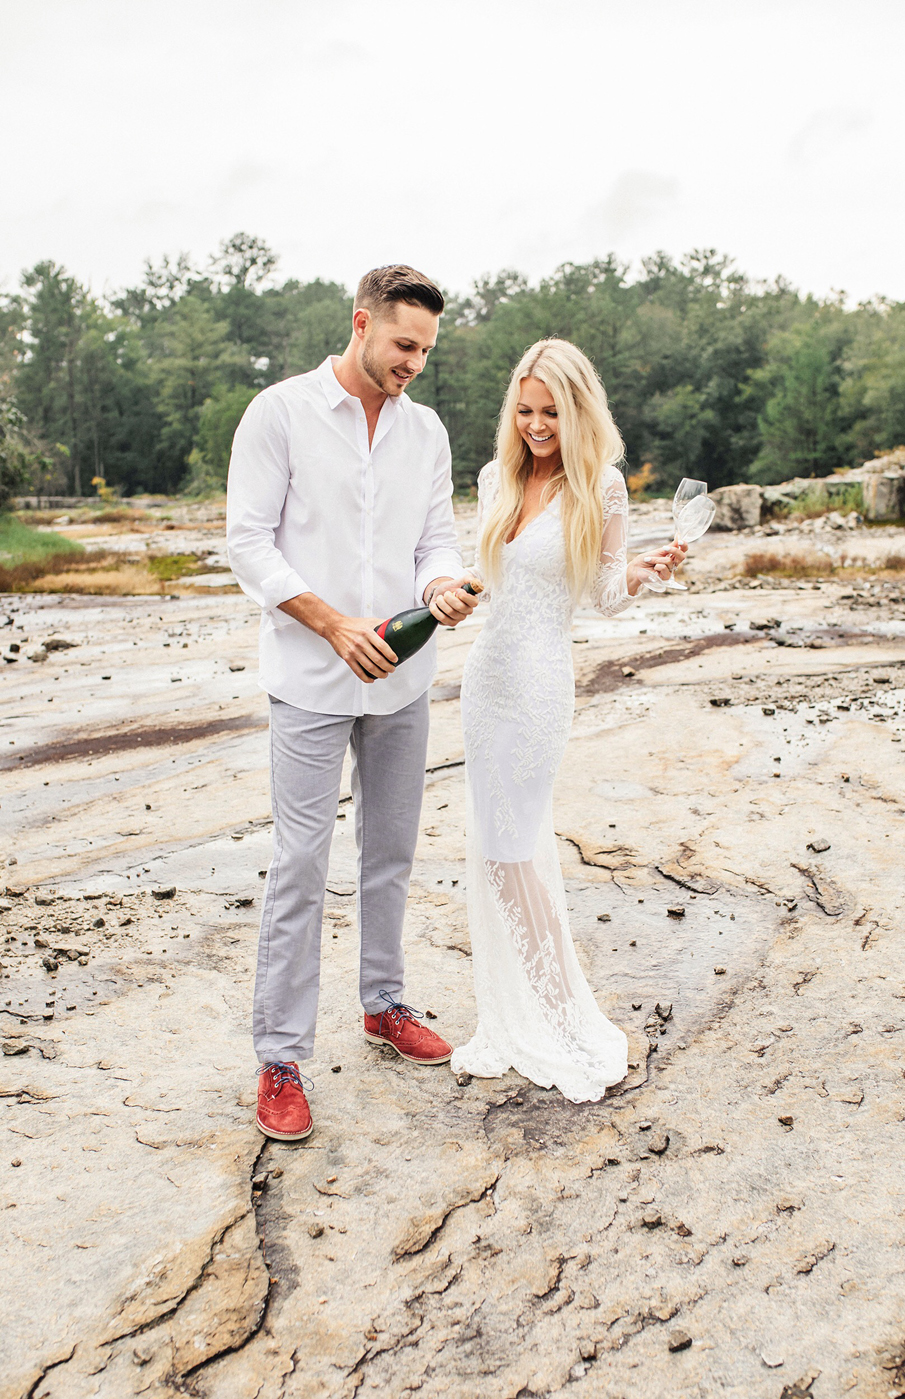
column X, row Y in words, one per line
column 313, row 507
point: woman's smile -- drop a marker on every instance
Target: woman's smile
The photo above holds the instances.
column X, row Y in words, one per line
column 538, row 421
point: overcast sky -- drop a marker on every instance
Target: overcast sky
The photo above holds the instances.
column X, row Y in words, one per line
column 463, row 136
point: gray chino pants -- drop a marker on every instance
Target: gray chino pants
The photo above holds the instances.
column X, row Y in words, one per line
column 306, row 759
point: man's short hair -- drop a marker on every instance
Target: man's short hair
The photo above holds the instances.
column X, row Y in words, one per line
column 380, row 290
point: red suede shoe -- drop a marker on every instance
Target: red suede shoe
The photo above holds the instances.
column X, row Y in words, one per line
column 283, row 1110
column 398, row 1027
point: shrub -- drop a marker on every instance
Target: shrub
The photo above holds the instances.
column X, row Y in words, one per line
column 819, row 501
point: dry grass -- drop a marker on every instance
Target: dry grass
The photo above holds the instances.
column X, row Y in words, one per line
column 787, row 565
column 816, row 565
column 120, row 579
column 85, row 515
column 25, row 576
column 104, row 573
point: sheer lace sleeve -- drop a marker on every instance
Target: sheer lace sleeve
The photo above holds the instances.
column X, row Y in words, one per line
column 488, row 484
column 609, row 592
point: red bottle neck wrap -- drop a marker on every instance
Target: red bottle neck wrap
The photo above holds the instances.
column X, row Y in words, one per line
column 382, row 629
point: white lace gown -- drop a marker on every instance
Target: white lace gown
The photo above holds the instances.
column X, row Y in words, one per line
column 536, row 1012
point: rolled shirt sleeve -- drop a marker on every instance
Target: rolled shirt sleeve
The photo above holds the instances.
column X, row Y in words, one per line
column 256, row 492
column 437, row 553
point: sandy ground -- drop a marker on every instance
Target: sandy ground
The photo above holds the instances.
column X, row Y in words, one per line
column 729, row 1222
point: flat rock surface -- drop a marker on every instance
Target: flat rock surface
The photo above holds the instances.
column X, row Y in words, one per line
column 729, row 1221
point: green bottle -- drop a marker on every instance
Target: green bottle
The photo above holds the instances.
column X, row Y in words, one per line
column 408, row 631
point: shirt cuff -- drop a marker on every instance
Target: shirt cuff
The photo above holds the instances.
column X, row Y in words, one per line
column 280, row 587
column 442, row 563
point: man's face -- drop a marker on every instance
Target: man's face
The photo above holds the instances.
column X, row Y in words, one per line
column 396, row 344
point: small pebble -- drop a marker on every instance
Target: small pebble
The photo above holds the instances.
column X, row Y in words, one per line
column 679, row 1340
column 719, row 971
column 315, row 1230
column 336, row 1069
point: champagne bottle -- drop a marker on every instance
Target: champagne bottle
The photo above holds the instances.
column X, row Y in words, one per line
column 408, row 631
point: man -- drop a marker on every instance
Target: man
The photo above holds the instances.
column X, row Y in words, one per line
column 339, row 514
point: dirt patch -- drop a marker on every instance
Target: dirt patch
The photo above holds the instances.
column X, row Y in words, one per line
column 99, row 745
column 611, row 675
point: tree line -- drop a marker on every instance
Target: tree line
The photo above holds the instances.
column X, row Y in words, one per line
column 709, row 374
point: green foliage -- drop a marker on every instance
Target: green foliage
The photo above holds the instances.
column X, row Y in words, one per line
column 20, row 543
column 873, row 393
column 20, row 455
column 708, row 374
column 217, row 423
column 802, row 424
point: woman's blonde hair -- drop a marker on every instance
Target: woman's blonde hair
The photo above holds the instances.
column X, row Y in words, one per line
column 589, row 443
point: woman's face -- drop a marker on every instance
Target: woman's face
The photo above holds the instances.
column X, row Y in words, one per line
column 535, row 414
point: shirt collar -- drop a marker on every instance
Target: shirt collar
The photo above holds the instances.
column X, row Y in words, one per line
column 334, row 392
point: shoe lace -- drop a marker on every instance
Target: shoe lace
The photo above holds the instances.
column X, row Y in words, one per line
column 286, row 1073
column 397, row 1011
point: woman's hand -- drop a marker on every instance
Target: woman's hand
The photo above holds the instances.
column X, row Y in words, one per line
column 449, row 603
column 662, row 562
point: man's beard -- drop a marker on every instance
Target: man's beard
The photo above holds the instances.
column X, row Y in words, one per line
column 376, row 372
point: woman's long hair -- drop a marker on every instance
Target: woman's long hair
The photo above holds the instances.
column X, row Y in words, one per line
column 589, row 442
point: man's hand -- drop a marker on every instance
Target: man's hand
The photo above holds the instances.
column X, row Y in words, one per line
column 356, row 642
column 448, row 602
column 353, row 638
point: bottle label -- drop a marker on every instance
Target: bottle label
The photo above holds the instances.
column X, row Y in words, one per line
column 397, row 626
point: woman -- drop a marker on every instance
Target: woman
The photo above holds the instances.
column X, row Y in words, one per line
column 552, row 524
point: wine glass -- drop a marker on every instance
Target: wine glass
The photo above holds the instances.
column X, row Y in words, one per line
column 693, row 512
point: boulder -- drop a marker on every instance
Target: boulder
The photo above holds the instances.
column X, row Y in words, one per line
column 737, row 507
column 884, row 495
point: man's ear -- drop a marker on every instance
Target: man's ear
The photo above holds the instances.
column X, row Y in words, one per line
column 361, row 320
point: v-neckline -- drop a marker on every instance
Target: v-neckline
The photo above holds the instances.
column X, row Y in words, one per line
column 533, row 521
